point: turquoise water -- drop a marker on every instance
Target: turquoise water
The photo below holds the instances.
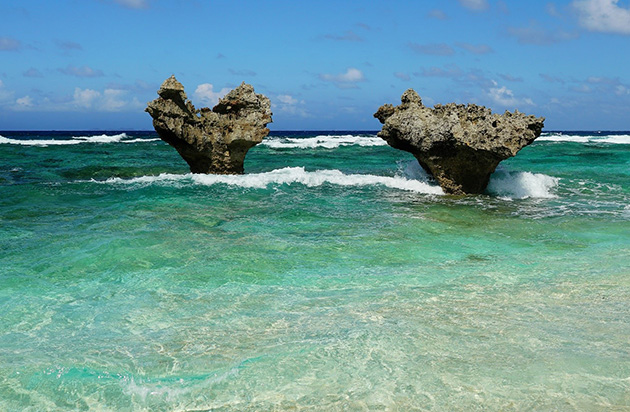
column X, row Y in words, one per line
column 334, row 275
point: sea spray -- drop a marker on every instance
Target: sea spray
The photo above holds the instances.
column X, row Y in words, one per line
column 521, row 185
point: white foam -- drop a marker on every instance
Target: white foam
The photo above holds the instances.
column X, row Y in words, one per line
column 563, row 138
column 560, row 137
column 287, row 176
column 4, row 140
column 140, row 140
column 521, row 185
column 324, row 141
column 103, row 138
column 617, row 139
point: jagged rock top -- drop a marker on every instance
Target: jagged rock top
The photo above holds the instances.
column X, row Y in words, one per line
column 171, row 88
column 211, row 141
column 460, row 145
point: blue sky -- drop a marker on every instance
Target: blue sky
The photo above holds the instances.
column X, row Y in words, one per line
column 94, row 64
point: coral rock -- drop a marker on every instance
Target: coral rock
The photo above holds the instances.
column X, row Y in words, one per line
column 459, row 145
column 211, row 141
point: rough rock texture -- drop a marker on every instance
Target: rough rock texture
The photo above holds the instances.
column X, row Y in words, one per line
column 459, row 145
column 211, row 141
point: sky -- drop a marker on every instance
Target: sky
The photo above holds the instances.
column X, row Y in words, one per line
column 325, row 65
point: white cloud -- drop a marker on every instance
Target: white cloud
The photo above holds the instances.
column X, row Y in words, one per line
column 603, row 16
column 205, row 94
column 503, row 96
column 111, row 100
column 344, row 80
column 287, row 99
column 24, row 102
column 84, row 98
column 474, row 4
column 286, row 103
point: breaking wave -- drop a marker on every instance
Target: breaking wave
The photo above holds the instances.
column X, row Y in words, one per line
column 504, row 184
column 561, row 137
column 521, row 185
column 287, row 176
column 323, row 141
column 103, row 138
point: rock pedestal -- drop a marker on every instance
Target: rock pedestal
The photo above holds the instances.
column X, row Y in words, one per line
column 211, row 141
column 459, row 145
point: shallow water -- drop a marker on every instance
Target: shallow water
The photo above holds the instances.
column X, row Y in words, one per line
column 334, row 275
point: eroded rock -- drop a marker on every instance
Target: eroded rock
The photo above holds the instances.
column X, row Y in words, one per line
column 211, row 141
column 459, row 145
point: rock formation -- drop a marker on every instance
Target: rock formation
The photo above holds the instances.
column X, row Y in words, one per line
column 211, row 141
column 459, row 145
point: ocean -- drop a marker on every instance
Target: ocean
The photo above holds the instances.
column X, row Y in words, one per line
column 333, row 275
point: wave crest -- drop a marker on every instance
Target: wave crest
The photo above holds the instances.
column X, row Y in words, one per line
column 287, row 176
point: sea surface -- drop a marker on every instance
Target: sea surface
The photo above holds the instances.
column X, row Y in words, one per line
column 333, row 275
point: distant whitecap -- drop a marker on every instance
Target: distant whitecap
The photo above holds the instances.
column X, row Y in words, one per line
column 324, row 141
column 103, row 138
column 561, row 137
